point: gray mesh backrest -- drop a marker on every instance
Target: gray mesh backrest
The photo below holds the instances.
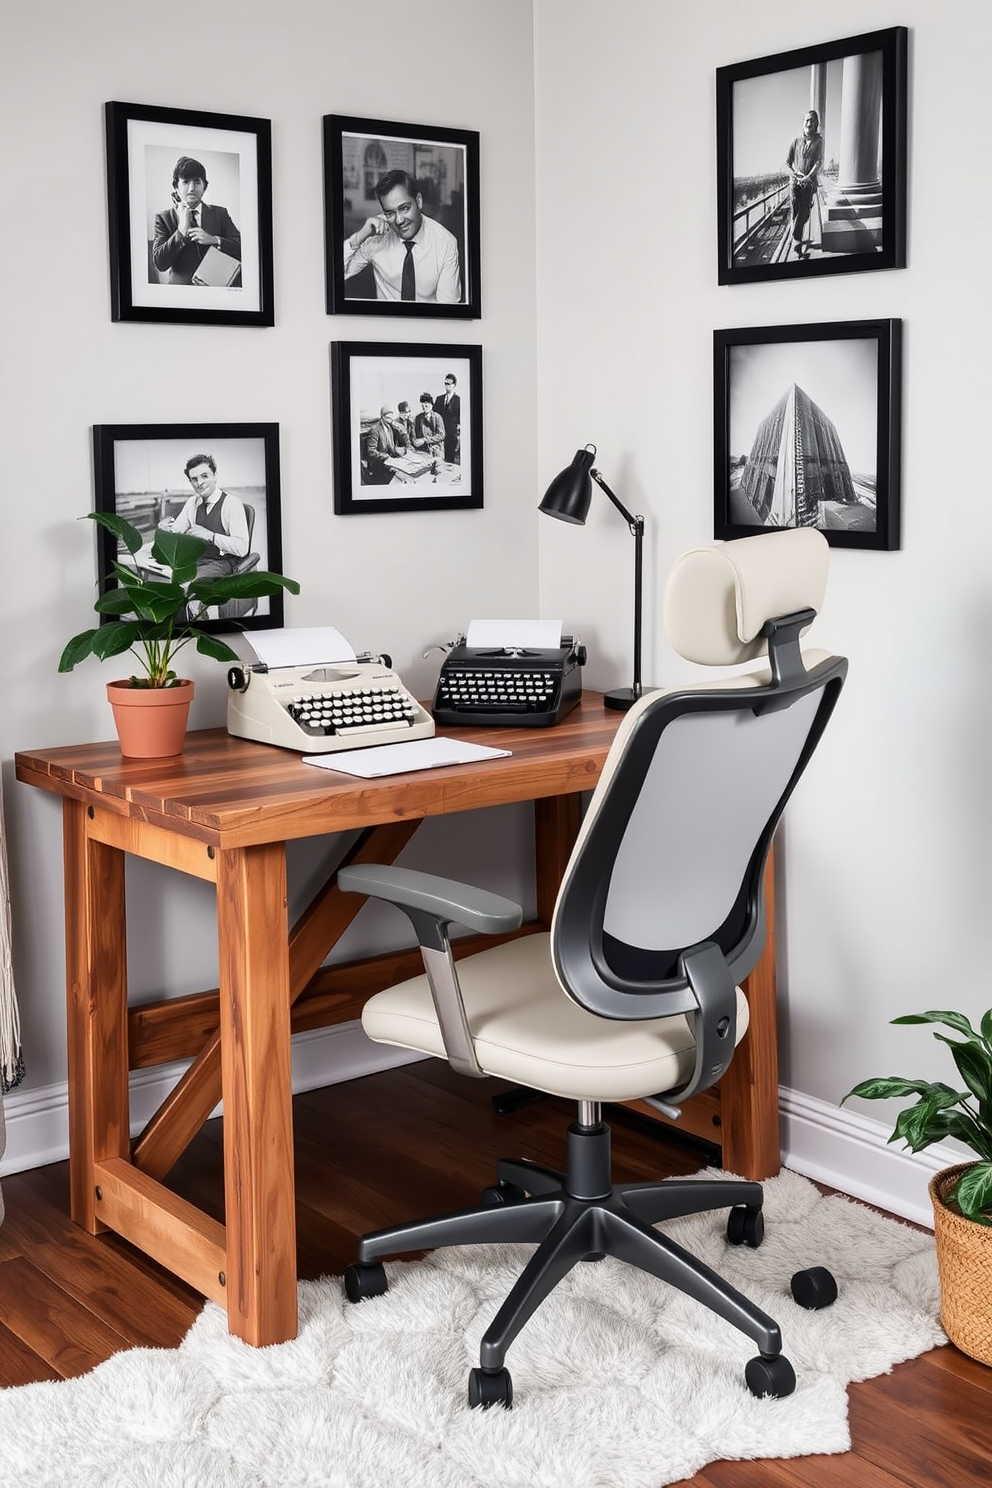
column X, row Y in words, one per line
column 709, row 791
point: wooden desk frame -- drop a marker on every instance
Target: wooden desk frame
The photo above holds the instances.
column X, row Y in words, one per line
column 223, row 812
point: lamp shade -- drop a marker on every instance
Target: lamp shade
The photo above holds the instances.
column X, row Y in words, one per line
column 570, row 493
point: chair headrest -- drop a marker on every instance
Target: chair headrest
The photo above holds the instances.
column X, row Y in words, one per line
column 718, row 598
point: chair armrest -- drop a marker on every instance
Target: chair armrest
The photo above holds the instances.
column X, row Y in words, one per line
column 431, row 904
column 443, row 899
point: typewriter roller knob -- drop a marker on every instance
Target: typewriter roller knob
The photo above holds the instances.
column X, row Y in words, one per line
column 237, row 679
column 580, row 654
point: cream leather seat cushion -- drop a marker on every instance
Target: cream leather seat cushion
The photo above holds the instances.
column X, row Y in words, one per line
column 526, row 1029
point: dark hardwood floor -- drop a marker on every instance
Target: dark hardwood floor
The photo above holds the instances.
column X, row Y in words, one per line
column 68, row 1300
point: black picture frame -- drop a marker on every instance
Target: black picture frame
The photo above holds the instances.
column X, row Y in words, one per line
column 444, row 164
column 439, row 475
column 139, row 474
column 149, row 258
column 833, row 391
column 857, row 87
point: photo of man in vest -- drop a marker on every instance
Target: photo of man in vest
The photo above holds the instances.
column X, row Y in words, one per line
column 216, row 516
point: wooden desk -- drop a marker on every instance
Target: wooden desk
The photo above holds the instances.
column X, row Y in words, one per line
column 223, row 811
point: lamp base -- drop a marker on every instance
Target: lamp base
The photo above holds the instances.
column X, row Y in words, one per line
column 623, row 698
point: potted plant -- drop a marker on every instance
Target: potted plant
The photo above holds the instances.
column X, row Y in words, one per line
column 156, row 612
column 961, row 1195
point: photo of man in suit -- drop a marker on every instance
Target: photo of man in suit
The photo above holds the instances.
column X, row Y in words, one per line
column 385, row 442
column 449, row 406
column 188, row 228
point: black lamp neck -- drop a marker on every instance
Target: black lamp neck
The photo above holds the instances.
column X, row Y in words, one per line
column 632, row 522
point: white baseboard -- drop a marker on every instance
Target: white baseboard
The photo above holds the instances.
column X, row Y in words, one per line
column 851, row 1152
column 833, row 1145
column 38, row 1121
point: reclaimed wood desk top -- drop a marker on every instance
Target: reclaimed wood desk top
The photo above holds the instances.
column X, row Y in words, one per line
column 231, row 792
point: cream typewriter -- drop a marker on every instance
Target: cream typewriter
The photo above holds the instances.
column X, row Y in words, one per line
column 307, row 689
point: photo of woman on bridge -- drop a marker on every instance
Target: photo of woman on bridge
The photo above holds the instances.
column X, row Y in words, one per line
column 811, row 164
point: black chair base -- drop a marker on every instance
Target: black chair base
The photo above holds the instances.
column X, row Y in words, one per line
column 581, row 1216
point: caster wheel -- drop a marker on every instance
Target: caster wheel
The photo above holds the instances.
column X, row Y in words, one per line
column 814, row 1288
column 502, row 1193
column 745, row 1226
column 775, row 1377
column 488, row 1389
column 364, row 1280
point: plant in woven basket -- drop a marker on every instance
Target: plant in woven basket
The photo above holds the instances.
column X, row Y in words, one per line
column 941, row 1111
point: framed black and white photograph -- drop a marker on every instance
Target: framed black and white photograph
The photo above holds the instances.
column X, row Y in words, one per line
column 811, row 160
column 190, row 198
column 401, row 219
column 406, row 427
column 807, row 430
column 219, row 481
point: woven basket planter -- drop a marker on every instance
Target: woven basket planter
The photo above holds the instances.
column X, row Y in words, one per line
column 964, row 1261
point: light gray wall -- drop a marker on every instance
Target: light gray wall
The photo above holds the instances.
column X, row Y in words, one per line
column 885, row 864
column 395, row 583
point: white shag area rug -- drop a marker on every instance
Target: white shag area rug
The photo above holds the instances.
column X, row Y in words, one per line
column 619, row 1381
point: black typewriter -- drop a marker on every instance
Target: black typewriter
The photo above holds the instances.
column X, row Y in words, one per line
column 510, row 686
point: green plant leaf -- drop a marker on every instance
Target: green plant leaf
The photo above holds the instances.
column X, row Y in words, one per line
column 111, row 640
column 75, row 650
column 130, row 581
column 123, row 531
column 211, row 645
column 957, row 1021
column 973, row 1066
column 177, row 550
column 926, row 1122
column 894, row 1086
column 973, row 1192
column 115, row 602
column 987, row 1027
column 965, row 1127
column 153, row 600
column 257, row 584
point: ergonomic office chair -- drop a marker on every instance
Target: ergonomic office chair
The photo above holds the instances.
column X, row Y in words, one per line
column 634, row 992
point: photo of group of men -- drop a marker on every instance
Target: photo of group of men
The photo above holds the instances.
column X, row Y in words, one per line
column 433, row 432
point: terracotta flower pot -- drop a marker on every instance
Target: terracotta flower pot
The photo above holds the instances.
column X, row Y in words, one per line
column 151, row 721
column 964, row 1261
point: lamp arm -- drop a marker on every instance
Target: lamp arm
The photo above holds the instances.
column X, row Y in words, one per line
column 632, row 521
column 636, row 525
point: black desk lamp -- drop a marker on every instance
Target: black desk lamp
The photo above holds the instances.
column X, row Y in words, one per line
column 568, row 498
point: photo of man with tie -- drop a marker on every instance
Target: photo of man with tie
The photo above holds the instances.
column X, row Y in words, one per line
column 449, row 407
column 188, row 228
column 412, row 257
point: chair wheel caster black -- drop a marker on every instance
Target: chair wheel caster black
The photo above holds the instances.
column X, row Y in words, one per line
column 814, row 1288
column 502, row 1193
column 364, row 1280
column 775, row 1377
column 487, row 1388
column 745, row 1226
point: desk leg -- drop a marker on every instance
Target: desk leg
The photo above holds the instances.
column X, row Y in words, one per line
column 256, row 1076
column 96, row 1007
column 556, row 826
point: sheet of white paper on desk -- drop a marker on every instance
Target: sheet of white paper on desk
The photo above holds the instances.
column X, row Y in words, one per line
column 306, row 645
column 399, row 759
column 531, row 635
